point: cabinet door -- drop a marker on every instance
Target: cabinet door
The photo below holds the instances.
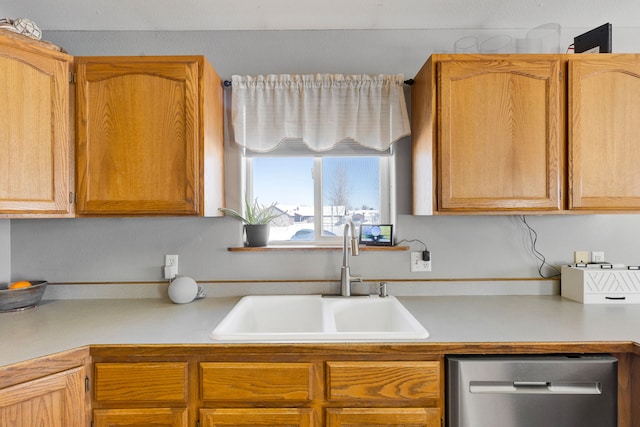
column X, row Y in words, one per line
column 604, row 131
column 153, row 417
column 138, row 136
column 52, row 401
column 388, row 417
column 499, row 135
column 35, row 148
column 281, row 417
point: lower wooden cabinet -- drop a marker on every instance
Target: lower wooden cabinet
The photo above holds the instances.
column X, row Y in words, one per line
column 120, row 387
column 289, row 417
column 56, row 400
column 280, row 385
column 360, row 385
column 322, row 392
column 233, row 387
column 288, row 388
column 389, row 417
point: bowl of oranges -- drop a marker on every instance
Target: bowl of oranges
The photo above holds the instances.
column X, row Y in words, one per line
column 21, row 294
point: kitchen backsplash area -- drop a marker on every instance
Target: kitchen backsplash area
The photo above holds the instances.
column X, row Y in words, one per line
column 131, row 250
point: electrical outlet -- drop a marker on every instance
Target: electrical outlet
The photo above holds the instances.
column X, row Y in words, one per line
column 597, row 256
column 581, row 257
column 417, row 264
column 170, row 266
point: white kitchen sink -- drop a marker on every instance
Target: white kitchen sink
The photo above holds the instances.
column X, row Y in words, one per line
column 317, row 318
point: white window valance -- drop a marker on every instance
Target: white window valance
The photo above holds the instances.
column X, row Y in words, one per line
column 320, row 110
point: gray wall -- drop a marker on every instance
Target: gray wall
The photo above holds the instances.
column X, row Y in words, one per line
column 132, row 249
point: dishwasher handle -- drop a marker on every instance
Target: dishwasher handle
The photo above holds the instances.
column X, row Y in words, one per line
column 531, row 383
column 534, row 387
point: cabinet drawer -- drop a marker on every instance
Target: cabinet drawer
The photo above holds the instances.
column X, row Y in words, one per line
column 257, row 381
column 388, row 417
column 289, row 417
column 141, row 382
column 383, row 380
column 150, row 417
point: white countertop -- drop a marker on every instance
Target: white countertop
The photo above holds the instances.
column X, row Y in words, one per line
column 59, row 325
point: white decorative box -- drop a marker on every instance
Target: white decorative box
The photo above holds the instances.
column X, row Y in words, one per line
column 601, row 284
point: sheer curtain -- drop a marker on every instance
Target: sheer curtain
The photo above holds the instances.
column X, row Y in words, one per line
column 321, row 110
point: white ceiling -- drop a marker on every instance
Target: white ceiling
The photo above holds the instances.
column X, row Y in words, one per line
column 176, row 15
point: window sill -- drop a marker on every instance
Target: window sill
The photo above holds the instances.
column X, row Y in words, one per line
column 313, row 248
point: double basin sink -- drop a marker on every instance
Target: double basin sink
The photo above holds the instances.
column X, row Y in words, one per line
column 318, row 318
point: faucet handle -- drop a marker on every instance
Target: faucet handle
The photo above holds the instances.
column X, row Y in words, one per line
column 355, row 248
column 382, row 290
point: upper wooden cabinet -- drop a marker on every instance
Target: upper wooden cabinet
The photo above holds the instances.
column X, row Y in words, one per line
column 35, row 133
column 604, row 132
column 493, row 126
column 517, row 133
column 149, row 136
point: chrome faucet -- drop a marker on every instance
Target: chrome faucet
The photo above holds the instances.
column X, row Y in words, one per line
column 345, row 273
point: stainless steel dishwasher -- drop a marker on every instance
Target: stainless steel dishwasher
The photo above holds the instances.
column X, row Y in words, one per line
column 532, row 391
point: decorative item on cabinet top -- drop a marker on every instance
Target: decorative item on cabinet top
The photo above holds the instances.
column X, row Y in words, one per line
column 22, row 26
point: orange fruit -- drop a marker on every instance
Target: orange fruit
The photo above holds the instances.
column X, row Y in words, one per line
column 20, row 284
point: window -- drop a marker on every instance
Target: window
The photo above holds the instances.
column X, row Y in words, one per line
column 317, row 194
column 321, row 147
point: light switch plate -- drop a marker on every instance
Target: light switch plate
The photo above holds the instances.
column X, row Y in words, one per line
column 597, row 256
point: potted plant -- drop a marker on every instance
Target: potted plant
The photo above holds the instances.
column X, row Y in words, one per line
column 256, row 219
